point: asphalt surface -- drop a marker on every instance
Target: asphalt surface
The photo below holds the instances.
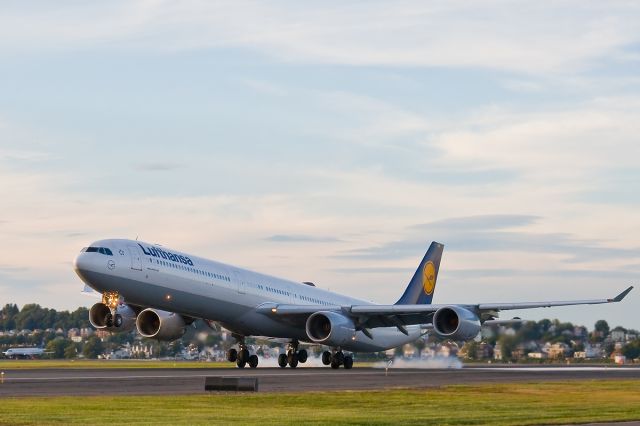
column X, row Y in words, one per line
column 53, row 382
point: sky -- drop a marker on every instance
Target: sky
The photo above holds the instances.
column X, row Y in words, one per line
column 329, row 142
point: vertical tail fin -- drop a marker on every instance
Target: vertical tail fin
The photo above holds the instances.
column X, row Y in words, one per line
column 423, row 284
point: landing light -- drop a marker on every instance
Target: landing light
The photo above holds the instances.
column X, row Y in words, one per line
column 168, row 297
column 274, row 310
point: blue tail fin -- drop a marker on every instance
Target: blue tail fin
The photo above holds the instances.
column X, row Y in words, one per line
column 423, row 284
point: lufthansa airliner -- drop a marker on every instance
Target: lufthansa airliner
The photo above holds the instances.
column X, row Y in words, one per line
column 159, row 291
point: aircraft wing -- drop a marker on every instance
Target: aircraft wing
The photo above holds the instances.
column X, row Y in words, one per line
column 528, row 305
column 372, row 316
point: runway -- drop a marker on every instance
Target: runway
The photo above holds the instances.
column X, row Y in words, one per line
column 58, row 382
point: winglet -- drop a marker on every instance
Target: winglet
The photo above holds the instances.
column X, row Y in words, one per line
column 621, row 295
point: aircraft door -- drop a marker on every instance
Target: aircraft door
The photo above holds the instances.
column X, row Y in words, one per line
column 290, row 291
column 136, row 260
column 240, row 283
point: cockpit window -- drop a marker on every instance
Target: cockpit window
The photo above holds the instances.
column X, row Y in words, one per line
column 101, row 250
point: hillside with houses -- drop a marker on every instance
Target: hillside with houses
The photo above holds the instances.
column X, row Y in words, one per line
column 69, row 335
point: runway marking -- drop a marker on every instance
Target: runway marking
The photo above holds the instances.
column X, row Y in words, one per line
column 26, row 379
column 547, row 369
column 377, row 373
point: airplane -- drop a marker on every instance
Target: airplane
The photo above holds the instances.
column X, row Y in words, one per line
column 160, row 291
column 24, row 352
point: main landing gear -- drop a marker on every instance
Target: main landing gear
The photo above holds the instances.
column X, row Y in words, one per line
column 243, row 356
column 293, row 356
column 336, row 358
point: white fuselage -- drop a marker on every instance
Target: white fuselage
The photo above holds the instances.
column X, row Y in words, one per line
column 23, row 352
column 149, row 275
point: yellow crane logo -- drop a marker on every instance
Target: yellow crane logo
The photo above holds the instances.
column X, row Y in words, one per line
column 429, row 277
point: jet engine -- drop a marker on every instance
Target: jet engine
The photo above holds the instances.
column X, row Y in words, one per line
column 101, row 318
column 330, row 328
column 160, row 325
column 456, row 323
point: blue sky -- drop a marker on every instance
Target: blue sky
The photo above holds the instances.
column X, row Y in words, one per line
column 328, row 143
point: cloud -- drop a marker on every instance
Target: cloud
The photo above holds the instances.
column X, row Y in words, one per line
column 488, row 233
column 158, row 166
column 480, row 222
column 76, row 234
column 459, row 274
column 280, row 238
column 492, row 34
column 264, row 87
column 570, row 142
column 372, row 270
column 22, row 155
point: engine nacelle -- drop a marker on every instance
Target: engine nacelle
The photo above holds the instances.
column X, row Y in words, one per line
column 330, row 328
column 160, row 325
column 101, row 318
column 456, row 323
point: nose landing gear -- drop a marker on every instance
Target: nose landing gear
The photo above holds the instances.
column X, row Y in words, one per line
column 112, row 299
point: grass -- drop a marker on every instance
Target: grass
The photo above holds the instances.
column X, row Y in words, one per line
column 92, row 363
column 10, row 364
column 504, row 404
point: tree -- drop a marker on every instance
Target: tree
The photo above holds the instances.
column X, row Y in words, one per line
column 70, row 351
column 603, row 327
column 578, row 347
column 93, row 347
column 507, row 346
column 609, row 347
column 7, row 316
column 472, row 349
column 56, row 347
column 632, row 350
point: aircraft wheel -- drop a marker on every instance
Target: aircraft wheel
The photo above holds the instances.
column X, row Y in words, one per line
column 253, row 361
column 326, row 357
column 243, row 355
column 302, row 356
column 335, row 365
column 292, row 358
column 232, row 355
column 240, row 363
column 108, row 320
column 348, row 362
column 338, row 357
column 282, row 360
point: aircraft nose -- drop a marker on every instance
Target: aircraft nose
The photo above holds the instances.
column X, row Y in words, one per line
column 80, row 263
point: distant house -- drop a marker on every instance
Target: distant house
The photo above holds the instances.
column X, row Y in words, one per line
column 497, row 352
column 590, row 352
column 556, row 350
column 536, row 355
column 618, row 335
column 408, row 350
column 619, row 359
column 484, row 351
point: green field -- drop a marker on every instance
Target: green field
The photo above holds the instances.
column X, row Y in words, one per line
column 505, row 404
column 9, row 364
